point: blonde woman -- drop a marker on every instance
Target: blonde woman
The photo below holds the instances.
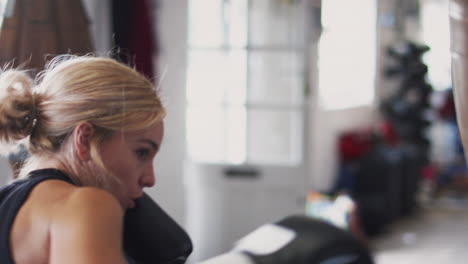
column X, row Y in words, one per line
column 92, row 127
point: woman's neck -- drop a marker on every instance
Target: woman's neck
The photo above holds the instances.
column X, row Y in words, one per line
column 38, row 162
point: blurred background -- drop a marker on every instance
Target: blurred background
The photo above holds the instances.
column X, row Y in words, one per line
column 336, row 109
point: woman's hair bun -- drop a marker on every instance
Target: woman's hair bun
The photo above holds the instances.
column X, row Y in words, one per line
column 17, row 106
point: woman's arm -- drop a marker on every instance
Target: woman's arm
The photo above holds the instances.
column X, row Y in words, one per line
column 87, row 228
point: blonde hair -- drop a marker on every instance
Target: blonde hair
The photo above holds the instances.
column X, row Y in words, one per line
column 107, row 94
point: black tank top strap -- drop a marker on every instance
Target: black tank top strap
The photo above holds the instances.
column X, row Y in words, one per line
column 12, row 197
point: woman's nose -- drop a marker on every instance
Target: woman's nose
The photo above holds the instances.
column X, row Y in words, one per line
column 148, row 179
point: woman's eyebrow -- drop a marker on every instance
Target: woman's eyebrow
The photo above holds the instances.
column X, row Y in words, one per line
column 150, row 142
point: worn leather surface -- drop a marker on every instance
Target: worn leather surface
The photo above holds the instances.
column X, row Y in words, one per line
column 40, row 28
column 458, row 15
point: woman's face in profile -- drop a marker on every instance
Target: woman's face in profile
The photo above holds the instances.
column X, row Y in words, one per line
column 129, row 156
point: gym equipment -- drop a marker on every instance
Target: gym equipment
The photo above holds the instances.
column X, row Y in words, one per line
column 151, row 236
column 458, row 12
column 299, row 240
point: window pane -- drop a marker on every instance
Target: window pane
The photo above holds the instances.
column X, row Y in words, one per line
column 276, row 23
column 347, row 54
column 217, row 23
column 274, row 136
column 276, row 77
column 216, row 134
column 216, row 77
column 237, row 23
column 225, row 77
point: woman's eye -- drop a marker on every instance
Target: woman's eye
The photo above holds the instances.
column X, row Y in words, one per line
column 142, row 153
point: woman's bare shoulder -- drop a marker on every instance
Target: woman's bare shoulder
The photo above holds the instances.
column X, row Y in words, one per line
column 56, row 197
column 69, row 206
column 59, row 196
column 88, row 204
column 72, row 221
column 87, row 224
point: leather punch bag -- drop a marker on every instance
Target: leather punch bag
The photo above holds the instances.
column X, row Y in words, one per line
column 458, row 15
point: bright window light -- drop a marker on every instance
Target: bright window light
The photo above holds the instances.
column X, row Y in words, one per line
column 245, row 81
column 347, row 51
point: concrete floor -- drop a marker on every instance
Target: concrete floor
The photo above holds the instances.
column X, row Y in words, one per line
column 437, row 234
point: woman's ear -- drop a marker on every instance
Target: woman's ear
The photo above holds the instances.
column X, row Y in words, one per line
column 82, row 137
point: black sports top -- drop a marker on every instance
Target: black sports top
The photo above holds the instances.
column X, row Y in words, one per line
column 12, row 197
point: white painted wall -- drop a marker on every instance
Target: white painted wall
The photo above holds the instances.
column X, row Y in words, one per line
column 99, row 15
column 172, row 28
column 326, row 127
